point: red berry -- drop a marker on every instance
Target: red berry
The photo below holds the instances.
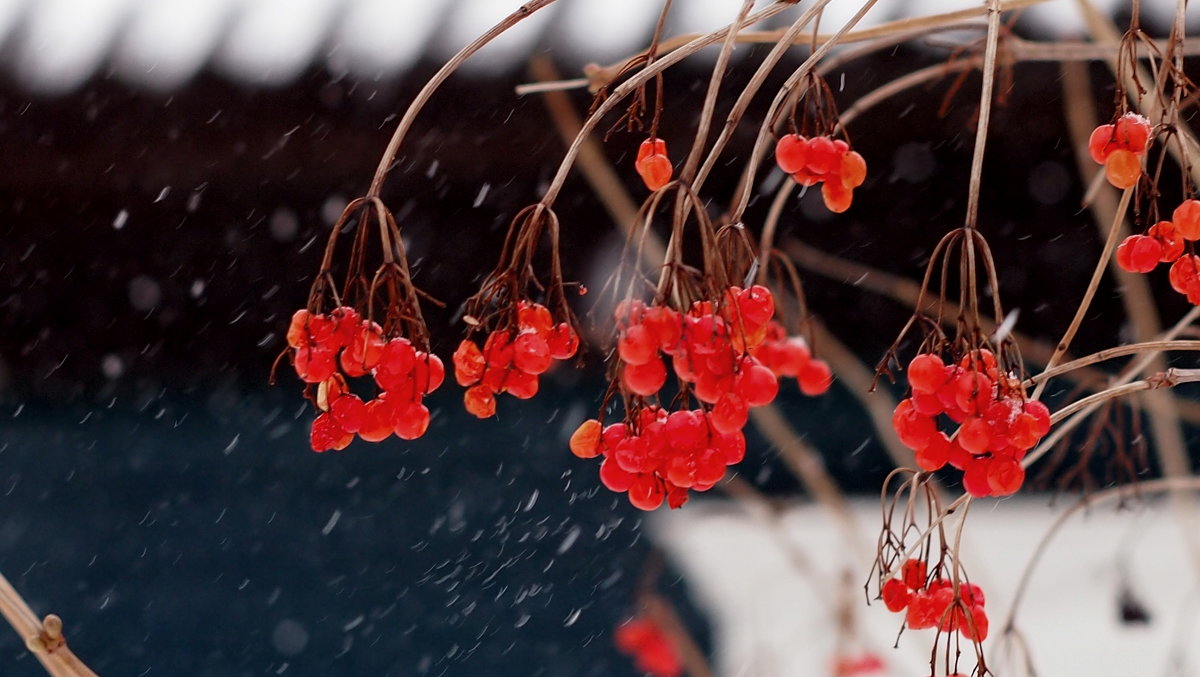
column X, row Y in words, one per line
column 378, row 421
column 428, row 372
column 297, row 333
column 314, row 364
column 563, row 342
column 613, row 477
column 1168, row 236
column 412, row 420
column 926, row 373
column 645, row 379
column 646, row 492
column 823, row 156
column 468, row 363
column 531, row 353
column 837, row 197
column 975, row 478
column 1139, row 254
column 651, row 146
column 935, row 454
column 327, row 434
column 1123, row 169
column 480, row 400
column 1185, row 276
column 922, row 611
column 1186, row 218
column 975, row 629
column 585, row 441
column 756, row 305
column 1005, row 476
column 636, row 345
column 815, row 378
column 655, row 170
column 757, row 385
column 349, row 412
column 791, row 153
column 397, row 358
column 913, row 572
column 1132, row 133
column 913, row 429
column 1101, row 143
column 730, row 413
column 520, row 385
column 534, row 317
column 895, row 594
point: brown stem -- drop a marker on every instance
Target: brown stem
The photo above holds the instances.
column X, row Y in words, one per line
column 389, row 155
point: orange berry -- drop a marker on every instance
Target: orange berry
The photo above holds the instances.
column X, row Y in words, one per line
column 1123, row 169
column 1187, row 219
column 853, row 170
column 655, row 170
column 837, row 197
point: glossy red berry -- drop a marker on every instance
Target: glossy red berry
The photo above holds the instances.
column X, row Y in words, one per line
column 913, row 572
column 791, row 153
column 1139, row 254
column 1169, row 237
column 655, row 170
column 895, row 594
column 853, row 170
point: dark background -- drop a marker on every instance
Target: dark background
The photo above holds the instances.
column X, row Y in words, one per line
column 161, row 497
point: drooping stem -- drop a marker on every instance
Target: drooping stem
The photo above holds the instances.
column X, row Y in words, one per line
column 389, row 154
column 985, row 112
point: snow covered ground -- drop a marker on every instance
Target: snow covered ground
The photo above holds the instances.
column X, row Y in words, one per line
column 768, row 588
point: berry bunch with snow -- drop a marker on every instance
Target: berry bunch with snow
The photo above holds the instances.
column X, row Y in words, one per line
column 511, row 362
column 1119, row 147
column 330, row 350
column 992, row 424
column 657, row 455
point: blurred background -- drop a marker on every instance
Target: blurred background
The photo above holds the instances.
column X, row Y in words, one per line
column 169, row 171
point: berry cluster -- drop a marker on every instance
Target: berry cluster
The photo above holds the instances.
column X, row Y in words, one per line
column 652, row 164
column 708, row 350
column 856, row 666
column 790, row 356
column 1119, row 147
column 402, row 374
column 512, row 364
column 824, row 160
column 997, row 425
column 649, row 646
column 660, row 455
column 934, row 604
column 1164, row 243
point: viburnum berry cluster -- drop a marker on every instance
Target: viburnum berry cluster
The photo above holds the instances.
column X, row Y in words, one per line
column 511, row 362
column 329, row 350
column 652, row 163
column 996, row 425
column 660, row 456
column 656, row 455
column 823, row 160
column 650, row 647
column 1164, row 242
column 935, row 604
column 1119, row 146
